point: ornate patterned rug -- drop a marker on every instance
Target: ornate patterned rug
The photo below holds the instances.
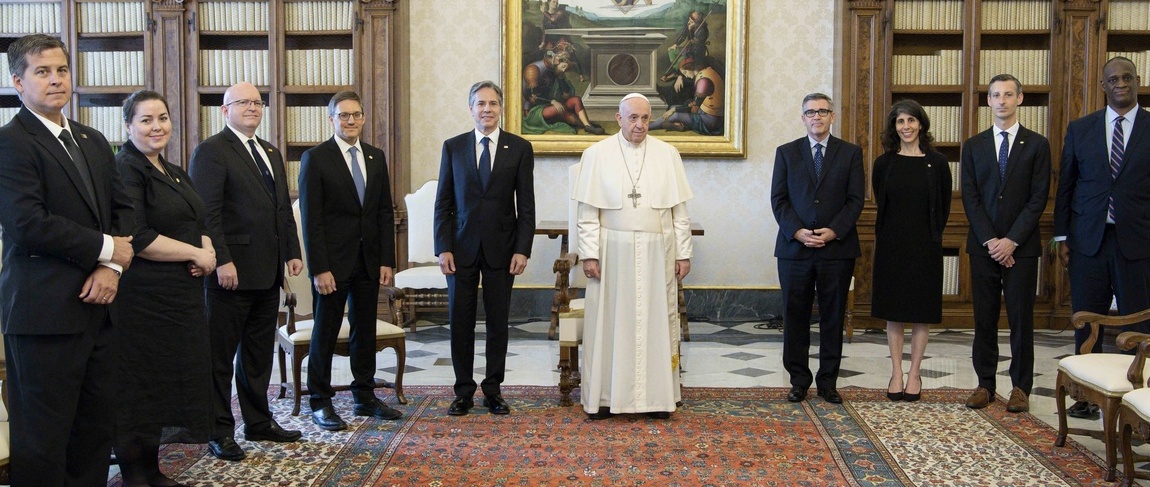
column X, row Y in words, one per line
column 720, row 437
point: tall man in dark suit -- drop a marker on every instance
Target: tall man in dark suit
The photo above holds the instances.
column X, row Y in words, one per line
column 64, row 216
column 244, row 186
column 349, row 236
column 1005, row 186
column 484, row 225
column 1102, row 207
column 817, row 196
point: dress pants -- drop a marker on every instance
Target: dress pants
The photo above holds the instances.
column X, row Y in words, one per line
column 360, row 292
column 61, row 392
column 463, row 290
column 990, row 282
column 1096, row 279
column 799, row 278
column 242, row 324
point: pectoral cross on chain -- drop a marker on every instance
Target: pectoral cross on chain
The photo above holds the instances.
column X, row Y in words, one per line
column 634, row 197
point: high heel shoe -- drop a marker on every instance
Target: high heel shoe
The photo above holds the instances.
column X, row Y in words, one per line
column 893, row 396
column 908, row 397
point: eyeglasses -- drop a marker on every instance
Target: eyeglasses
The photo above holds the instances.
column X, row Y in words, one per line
column 822, row 112
column 248, row 103
column 348, row 116
column 1113, row 80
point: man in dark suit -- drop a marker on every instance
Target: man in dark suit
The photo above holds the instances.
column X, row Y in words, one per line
column 1005, row 186
column 484, row 226
column 817, row 196
column 1102, row 207
column 244, row 186
column 64, row 216
column 349, row 236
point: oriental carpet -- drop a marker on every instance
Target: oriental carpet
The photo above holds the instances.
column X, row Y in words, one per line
column 720, row 437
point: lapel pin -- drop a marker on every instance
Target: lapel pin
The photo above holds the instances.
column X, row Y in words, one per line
column 83, row 136
column 370, row 157
column 1021, row 142
column 504, row 147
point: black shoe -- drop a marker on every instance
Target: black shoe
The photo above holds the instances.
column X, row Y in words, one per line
column 1083, row 410
column 659, row 415
column 273, row 432
column 460, row 406
column 893, row 396
column 797, row 394
column 830, row 395
column 602, row 413
column 496, row 405
column 326, row 418
column 226, row 449
column 376, row 408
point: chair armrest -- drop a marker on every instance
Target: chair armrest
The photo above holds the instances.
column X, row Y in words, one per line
column 288, row 317
column 1096, row 321
column 562, row 269
column 565, row 263
column 390, row 295
column 1131, row 339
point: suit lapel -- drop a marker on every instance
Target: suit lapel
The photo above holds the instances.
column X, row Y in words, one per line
column 808, row 159
column 342, row 171
column 245, row 154
column 1016, row 151
column 44, row 137
column 471, row 161
column 373, row 173
column 1137, row 142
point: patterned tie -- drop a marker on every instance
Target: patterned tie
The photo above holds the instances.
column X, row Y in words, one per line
column 268, row 180
column 357, row 175
column 80, row 161
column 485, row 163
column 818, row 161
column 1116, row 151
column 1003, row 150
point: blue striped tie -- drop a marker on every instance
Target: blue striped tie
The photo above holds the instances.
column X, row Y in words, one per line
column 1117, row 149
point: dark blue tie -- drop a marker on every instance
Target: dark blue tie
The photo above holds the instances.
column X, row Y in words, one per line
column 818, row 161
column 485, row 163
column 268, row 179
column 1117, row 150
column 1003, row 150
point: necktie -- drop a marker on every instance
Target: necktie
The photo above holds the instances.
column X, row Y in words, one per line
column 268, row 179
column 357, row 175
column 1117, row 149
column 1003, row 150
column 485, row 163
column 80, row 162
column 818, row 160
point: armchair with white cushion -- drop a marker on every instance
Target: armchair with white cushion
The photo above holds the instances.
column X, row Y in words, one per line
column 424, row 285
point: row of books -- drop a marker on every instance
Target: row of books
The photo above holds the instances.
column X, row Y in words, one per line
column 233, row 16
column 1128, row 15
column 1032, row 117
column 111, row 17
column 942, row 68
column 28, row 18
column 1016, row 15
column 108, row 120
column 319, row 16
column 292, row 168
column 320, row 67
column 945, row 123
column 929, row 15
column 1031, row 67
column 1141, row 61
column 111, row 68
column 212, row 122
column 306, row 124
column 950, row 275
column 6, row 114
column 955, row 180
column 5, row 76
column 228, row 67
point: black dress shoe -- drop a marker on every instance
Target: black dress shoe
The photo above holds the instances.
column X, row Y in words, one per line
column 797, row 394
column 226, row 449
column 376, row 408
column 831, row 395
column 326, row 418
column 460, row 406
column 1083, row 410
column 659, row 415
column 602, row 413
column 273, row 432
column 496, row 405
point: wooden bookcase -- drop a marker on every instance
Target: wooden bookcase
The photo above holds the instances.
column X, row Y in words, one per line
column 941, row 53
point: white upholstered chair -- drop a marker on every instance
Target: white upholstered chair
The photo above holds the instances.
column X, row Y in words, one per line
column 1134, row 410
column 293, row 335
column 424, row 285
column 567, row 311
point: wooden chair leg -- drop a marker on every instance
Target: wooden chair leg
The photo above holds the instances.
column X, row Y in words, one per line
column 1109, row 439
column 400, row 363
column 283, row 373
column 297, row 389
column 568, row 368
column 1060, row 393
column 1124, row 426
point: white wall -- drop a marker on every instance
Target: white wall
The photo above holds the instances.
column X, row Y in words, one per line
column 790, row 52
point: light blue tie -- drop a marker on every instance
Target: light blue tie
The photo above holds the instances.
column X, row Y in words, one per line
column 357, row 175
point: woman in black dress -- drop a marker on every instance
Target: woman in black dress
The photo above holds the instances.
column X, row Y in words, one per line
column 911, row 184
column 165, row 372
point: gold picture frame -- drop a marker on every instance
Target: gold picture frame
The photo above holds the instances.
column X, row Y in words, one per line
column 574, row 70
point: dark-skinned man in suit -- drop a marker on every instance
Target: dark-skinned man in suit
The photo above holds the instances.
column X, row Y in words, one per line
column 349, row 237
column 244, row 187
column 65, row 219
column 1102, row 206
column 1005, row 187
column 484, row 227
column 817, row 193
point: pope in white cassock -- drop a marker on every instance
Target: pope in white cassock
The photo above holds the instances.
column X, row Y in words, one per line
column 635, row 243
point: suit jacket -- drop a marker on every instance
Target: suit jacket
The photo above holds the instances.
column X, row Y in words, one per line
column 335, row 225
column 1010, row 208
column 249, row 226
column 1085, row 187
column 52, row 230
column 834, row 200
column 499, row 220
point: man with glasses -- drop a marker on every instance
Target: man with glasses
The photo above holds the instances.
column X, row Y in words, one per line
column 817, row 196
column 244, row 187
column 1102, row 207
column 349, row 237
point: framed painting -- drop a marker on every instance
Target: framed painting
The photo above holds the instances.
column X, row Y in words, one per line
column 569, row 62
